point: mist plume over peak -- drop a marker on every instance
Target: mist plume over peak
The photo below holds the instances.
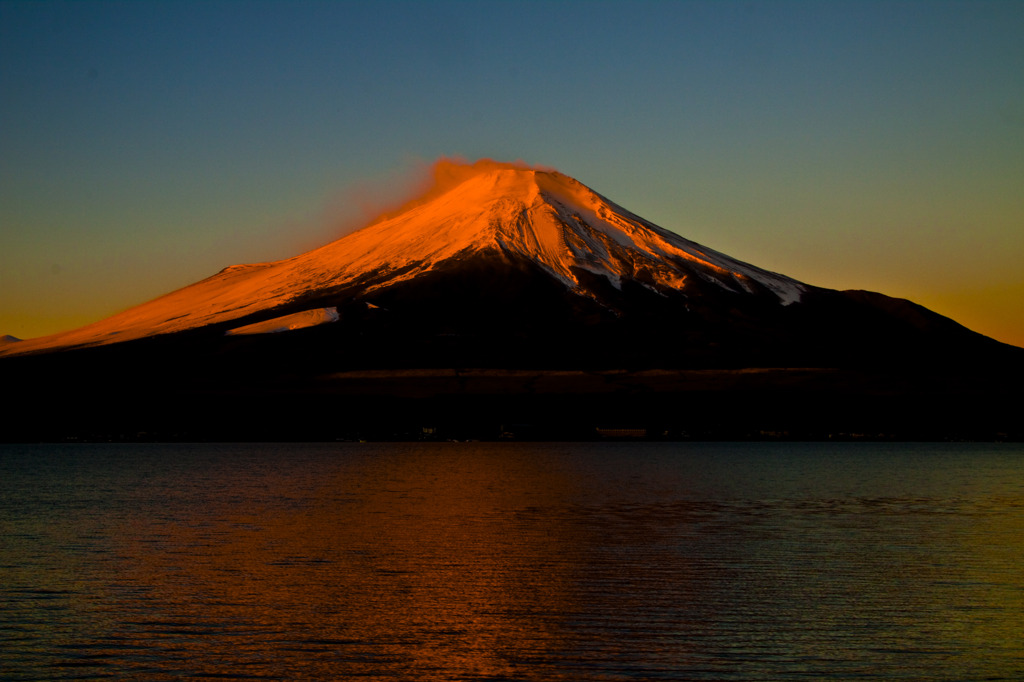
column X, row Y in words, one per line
column 443, row 175
column 368, row 202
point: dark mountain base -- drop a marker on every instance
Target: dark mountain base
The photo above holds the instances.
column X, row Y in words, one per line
column 549, row 364
column 794, row 404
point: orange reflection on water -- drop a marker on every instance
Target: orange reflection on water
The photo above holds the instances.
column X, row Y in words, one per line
column 414, row 563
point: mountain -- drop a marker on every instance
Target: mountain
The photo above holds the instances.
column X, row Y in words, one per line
column 520, row 274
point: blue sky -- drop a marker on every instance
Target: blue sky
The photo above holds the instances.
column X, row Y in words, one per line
column 872, row 145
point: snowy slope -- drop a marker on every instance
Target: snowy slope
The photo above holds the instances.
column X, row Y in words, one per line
column 543, row 216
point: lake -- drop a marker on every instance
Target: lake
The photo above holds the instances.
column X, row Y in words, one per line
column 512, row 561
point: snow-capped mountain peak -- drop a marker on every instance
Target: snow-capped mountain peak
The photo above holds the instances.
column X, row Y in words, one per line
column 548, row 218
column 542, row 216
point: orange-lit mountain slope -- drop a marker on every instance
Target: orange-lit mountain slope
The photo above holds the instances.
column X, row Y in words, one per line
column 504, row 211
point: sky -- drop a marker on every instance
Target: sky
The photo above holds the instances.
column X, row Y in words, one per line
column 851, row 145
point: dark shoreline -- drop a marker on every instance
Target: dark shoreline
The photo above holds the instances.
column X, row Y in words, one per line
column 751, row 404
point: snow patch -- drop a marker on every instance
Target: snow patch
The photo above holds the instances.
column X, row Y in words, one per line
column 303, row 320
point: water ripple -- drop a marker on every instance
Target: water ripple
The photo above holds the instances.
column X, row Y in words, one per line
column 512, row 562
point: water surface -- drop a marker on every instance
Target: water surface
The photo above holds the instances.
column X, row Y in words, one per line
column 470, row 561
